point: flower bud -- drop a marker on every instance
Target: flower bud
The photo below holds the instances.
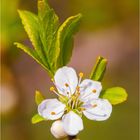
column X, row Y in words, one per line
column 57, row 130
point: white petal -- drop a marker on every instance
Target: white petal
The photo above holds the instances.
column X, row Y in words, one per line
column 72, row 123
column 99, row 110
column 51, row 109
column 57, row 129
column 63, row 76
column 89, row 90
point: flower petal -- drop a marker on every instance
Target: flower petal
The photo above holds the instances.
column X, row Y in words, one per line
column 89, row 90
column 99, row 110
column 72, row 123
column 66, row 80
column 51, row 109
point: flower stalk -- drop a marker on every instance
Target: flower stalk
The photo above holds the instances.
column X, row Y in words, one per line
column 72, row 137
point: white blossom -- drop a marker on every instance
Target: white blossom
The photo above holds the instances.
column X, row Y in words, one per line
column 75, row 98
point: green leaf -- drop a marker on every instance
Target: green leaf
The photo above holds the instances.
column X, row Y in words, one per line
column 53, row 44
column 38, row 97
column 115, row 95
column 99, row 69
column 29, row 51
column 33, row 54
column 37, row 118
column 64, row 38
column 48, row 23
column 30, row 22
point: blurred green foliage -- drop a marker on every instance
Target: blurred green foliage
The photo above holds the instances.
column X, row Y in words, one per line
column 104, row 13
column 11, row 28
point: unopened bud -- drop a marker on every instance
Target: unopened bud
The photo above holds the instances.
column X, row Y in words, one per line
column 57, row 130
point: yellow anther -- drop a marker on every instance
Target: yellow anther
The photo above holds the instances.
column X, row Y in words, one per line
column 94, row 105
column 82, row 109
column 77, row 88
column 52, row 80
column 53, row 113
column 81, row 74
column 66, row 85
column 78, row 93
column 51, row 88
column 73, row 98
column 94, row 90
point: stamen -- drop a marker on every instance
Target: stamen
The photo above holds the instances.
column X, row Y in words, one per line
column 52, row 80
column 69, row 102
column 78, row 88
column 81, row 74
column 80, row 77
column 68, row 94
column 52, row 89
column 60, row 88
column 66, row 85
column 73, row 103
column 95, row 105
column 86, row 95
column 78, row 93
column 82, row 109
column 94, row 91
column 53, row 113
column 77, row 101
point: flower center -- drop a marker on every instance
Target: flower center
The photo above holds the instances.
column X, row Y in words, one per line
column 74, row 102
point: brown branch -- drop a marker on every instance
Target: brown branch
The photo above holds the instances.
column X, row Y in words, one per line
column 71, row 137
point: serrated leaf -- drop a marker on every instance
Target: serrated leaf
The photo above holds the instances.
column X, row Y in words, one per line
column 115, row 95
column 48, row 22
column 29, row 51
column 38, row 97
column 30, row 22
column 64, row 38
column 37, row 118
column 99, row 69
column 53, row 43
column 33, row 54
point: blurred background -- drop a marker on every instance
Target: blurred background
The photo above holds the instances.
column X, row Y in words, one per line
column 110, row 29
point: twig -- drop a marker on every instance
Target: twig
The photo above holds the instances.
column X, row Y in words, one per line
column 72, row 137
